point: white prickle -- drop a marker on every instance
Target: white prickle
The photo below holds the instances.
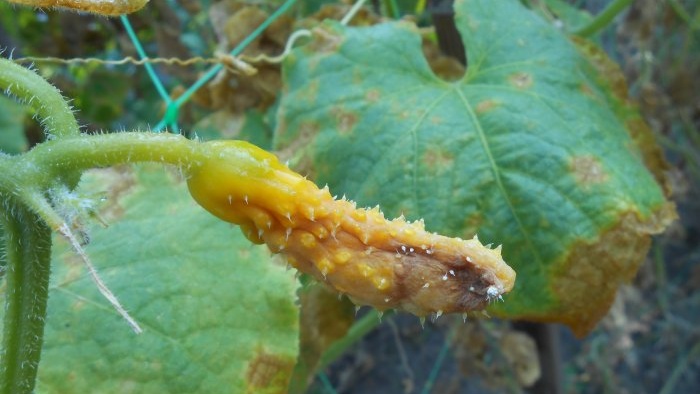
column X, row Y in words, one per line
column 492, row 292
column 498, row 249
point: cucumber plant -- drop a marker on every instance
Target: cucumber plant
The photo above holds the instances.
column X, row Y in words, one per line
column 536, row 147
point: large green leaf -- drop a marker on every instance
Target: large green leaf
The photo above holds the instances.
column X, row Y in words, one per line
column 12, row 138
column 527, row 149
column 218, row 314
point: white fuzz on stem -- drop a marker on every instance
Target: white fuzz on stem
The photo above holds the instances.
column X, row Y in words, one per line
column 101, row 286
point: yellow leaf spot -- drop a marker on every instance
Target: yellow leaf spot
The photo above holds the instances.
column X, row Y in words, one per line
column 521, row 80
column 486, row 106
column 587, row 170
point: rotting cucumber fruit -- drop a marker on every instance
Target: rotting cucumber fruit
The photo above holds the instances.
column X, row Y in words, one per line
column 383, row 263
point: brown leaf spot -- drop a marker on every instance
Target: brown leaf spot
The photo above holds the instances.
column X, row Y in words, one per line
column 587, row 90
column 652, row 155
column 324, row 41
column 345, row 121
column 269, row 371
column 438, row 160
column 372, row 95
column 310, row 93
column 610, row 72
column 486, row 105
column 78, row 305
column 521, row 80
column 587, row 170
column 594, row 269
column 611, row 76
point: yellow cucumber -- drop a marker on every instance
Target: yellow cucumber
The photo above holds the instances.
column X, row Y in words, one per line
column 383, row 263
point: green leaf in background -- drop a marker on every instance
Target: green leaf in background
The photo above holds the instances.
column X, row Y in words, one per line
column 218, row 314
column 12, row 138
column 525, row 149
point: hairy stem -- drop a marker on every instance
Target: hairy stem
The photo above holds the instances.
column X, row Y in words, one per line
column 27, row 239
column 48, row 161
column 59, row 161
column 26, row 295
column 604, row 18
column 51, row 109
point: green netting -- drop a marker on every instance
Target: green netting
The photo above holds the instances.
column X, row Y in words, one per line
column 169, row 120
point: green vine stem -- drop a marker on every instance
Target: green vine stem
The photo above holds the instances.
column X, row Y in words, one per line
column 604, row 18
column 79, row 154
column 26, row 237
column 51, row 109
column 27, row 275
column 28, row 176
